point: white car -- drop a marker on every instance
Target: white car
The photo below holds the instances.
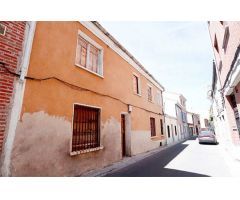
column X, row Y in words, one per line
column 207, row 137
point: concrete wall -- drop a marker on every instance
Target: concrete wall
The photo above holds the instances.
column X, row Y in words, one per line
column 43, row 135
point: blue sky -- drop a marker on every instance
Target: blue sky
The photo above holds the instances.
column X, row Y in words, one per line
column 177, row 54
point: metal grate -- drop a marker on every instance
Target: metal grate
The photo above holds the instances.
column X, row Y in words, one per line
column 86, row 130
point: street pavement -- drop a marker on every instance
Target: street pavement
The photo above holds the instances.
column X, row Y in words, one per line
column 186, row 159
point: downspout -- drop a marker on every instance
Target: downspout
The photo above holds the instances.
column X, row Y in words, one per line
column 17, row 99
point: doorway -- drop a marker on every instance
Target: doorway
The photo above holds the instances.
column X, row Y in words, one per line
column 123, row 134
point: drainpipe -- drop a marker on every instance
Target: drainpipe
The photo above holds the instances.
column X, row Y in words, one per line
column 17, row 99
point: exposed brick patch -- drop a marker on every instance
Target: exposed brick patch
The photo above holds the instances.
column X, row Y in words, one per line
column 10, row 51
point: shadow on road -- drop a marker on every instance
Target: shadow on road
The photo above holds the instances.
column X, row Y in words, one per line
column 153, row 166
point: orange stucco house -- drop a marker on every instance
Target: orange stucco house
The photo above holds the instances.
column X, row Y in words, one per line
column 87, row 103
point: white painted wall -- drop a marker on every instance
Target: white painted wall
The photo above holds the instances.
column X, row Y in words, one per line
column 172, row 122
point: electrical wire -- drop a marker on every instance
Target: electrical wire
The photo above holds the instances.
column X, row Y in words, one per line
column 75, row 87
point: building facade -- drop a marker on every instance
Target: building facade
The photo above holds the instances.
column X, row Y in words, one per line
column 172, row 127
column 175, row 115
column 87, row 103
column 225, row 38
column 194, row 126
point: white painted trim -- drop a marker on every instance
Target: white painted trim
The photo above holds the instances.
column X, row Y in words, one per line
column 72, row 153
column 84, row 68
column 151, row 92
column 234, row 77
column 90, row 40
column 17, row 99
column 139, row 85
column 100, row 56
column 97, row 32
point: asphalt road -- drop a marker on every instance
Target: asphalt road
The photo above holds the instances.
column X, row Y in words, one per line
column 187, row 159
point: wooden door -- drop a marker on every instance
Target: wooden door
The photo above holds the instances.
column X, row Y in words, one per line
column 152, row 125
column 123, row 133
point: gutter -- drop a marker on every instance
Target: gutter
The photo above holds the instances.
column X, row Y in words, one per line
column 17, row 99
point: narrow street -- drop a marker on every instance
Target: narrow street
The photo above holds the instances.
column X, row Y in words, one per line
column 187, row 159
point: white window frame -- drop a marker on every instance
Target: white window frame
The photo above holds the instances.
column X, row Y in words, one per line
column 148, row 85
column 100, row 56
column 74, row 153
column 139, row 85
column 158, row 98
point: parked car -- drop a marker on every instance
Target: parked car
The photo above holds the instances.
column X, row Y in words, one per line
column 207, row 137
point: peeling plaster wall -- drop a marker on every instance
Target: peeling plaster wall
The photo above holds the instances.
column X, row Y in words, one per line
column 142, row 142
column 43, row 135
column 42, row 147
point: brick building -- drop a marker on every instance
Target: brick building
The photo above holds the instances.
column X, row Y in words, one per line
column 225, row 38
column 11, row 45
column 15, row 46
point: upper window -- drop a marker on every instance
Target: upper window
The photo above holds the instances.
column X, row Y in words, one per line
column 86, row 128
column 220, row 66
column 216, row 44
column 89, row 54
column 226, row 38
column 149, row 92
column 159, row 98
column 136, row 84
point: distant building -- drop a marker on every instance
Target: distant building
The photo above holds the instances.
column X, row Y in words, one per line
column 175, row 116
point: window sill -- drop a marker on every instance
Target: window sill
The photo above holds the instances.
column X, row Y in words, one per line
column 138, row 94
column 74, row 153
column 96, row 74
column 155, row 138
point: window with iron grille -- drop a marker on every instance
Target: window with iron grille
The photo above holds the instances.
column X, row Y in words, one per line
column 136, row 84
column 89, row 55
column 86, row 129
column 153, row 127
column 161, row 126
column 149, row 91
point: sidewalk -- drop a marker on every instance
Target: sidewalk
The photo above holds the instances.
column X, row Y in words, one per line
column 231, row 156
column 126, row 161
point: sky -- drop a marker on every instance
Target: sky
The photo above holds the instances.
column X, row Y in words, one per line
column 177, row 54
